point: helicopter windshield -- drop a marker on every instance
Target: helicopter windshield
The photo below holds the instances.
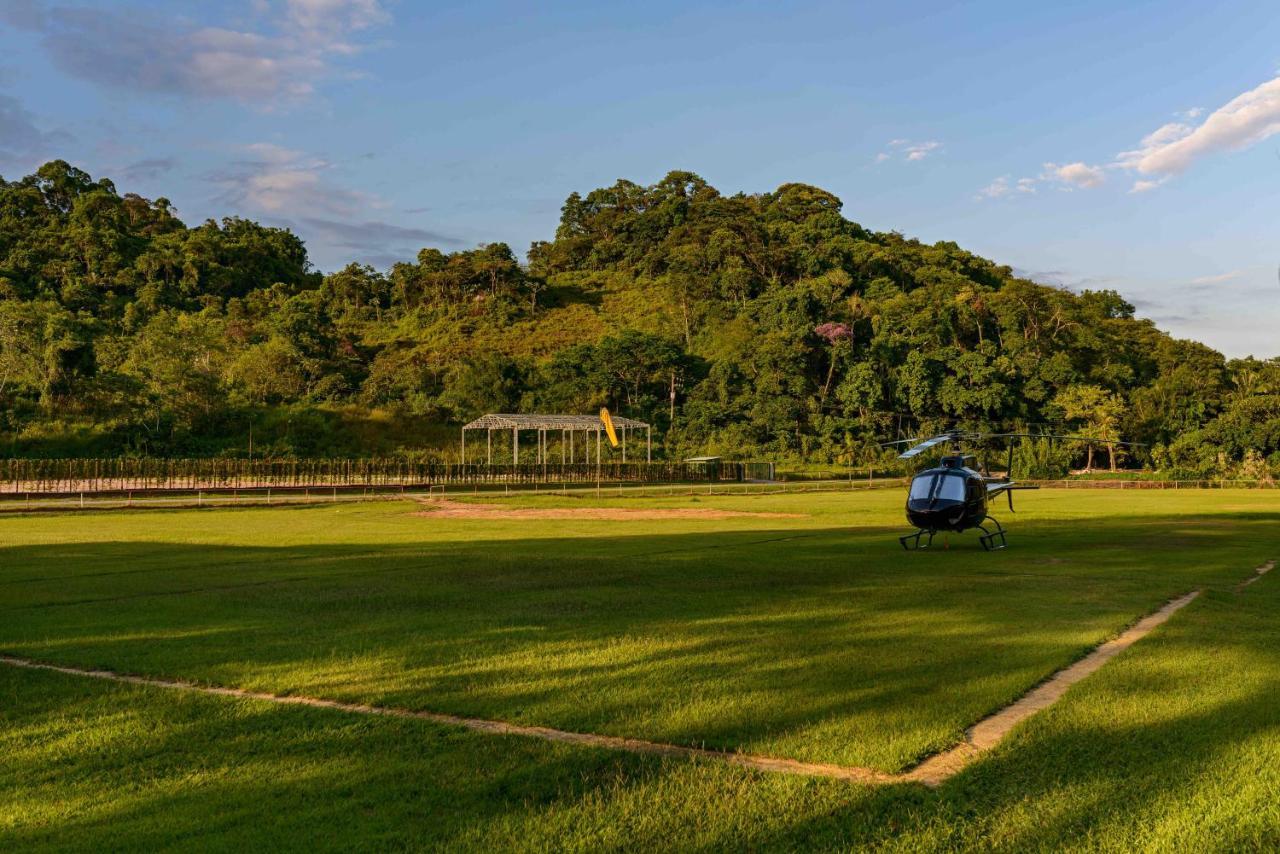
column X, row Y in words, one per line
column 951, row 488
column 939, row 487
column 921, row 487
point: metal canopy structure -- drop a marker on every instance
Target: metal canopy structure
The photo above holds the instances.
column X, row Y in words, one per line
column 546, row 426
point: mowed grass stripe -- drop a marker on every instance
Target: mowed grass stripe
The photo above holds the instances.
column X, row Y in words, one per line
column 1173, row 745
column 829, row 645
column 630, row 745
column 933, row 771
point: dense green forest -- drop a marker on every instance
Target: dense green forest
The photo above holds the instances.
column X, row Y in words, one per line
column 754, row 325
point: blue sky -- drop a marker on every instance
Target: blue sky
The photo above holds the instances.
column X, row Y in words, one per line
column 1135, row 148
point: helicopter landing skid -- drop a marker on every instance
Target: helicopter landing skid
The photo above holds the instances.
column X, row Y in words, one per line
column 911, row 542
column 992, row 540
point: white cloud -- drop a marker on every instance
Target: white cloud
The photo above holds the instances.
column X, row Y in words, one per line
column 282, row 181
column 1173, row 147
column 1144, row 186
column 921, row 150
column 150, row 51
column 997, row 189
column 326, row 20
column 269, row 152
column 1005, row 186
column 1221, row 277
column 1065, row 176
column 1243, row 121
column 1074, row 175
column 295, row 189
column 910, row 151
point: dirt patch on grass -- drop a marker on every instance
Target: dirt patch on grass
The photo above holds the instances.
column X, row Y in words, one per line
column 447, row 509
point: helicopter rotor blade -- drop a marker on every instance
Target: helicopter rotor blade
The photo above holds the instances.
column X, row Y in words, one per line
column 926, row 445
column 1089, row 439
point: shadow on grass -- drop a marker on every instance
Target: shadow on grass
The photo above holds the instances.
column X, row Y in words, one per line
column 1176, row 745
column 94, row 767
column 827, row 644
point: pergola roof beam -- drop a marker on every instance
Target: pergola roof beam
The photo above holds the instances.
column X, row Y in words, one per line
column 512, row 421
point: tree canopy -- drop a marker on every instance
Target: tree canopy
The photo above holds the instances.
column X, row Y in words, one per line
column 761, row 324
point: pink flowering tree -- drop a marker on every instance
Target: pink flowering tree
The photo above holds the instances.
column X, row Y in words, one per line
column 837, row 335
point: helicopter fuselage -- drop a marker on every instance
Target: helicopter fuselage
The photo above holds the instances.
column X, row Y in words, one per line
column 952, row 497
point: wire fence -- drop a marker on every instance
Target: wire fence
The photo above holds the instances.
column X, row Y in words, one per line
column 138, row 476
column 37, row 502
column 230, row 496
column 1115, row 483
column 120, row 474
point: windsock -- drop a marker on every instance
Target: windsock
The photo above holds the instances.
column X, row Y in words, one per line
column 608, row 426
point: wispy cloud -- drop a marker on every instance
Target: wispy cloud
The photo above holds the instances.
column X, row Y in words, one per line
column 1005, row 186
column 369, row 235
column 273, row 179
column 908, row 150
column 997, row 189
column 1064, row 279
column 298, row 190
column 1220, row 277
column 1172, row 148
column 23, row 143
column 1070, row 176
column 921, row 150
column 149, row 168
column 144, row 50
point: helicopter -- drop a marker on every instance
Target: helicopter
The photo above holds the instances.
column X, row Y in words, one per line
column 955, row 495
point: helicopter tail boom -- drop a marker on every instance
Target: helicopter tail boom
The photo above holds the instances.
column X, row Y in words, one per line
column 1007, row 487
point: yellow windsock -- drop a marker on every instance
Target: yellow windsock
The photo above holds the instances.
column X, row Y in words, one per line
column 608, row 426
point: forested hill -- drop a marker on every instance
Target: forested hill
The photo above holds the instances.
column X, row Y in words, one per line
column 784, row 328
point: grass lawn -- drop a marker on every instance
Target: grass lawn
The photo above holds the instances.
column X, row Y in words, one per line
column 813, row 638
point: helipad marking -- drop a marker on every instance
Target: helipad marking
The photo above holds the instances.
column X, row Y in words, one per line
column 932, row 771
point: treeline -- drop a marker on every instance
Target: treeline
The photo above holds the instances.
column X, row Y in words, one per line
column 764, row 324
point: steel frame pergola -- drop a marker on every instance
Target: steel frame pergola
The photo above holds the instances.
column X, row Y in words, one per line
column 567, row 425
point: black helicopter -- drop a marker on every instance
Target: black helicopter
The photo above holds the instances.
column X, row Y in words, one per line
column 954, row 496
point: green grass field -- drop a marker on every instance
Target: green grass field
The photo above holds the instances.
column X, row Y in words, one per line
column 813, row 638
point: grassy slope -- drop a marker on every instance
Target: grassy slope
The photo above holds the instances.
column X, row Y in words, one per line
column 814, row 638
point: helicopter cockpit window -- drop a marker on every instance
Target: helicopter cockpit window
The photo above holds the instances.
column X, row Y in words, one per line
column 951, row 489
column 921, row 487
column 937, row 487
